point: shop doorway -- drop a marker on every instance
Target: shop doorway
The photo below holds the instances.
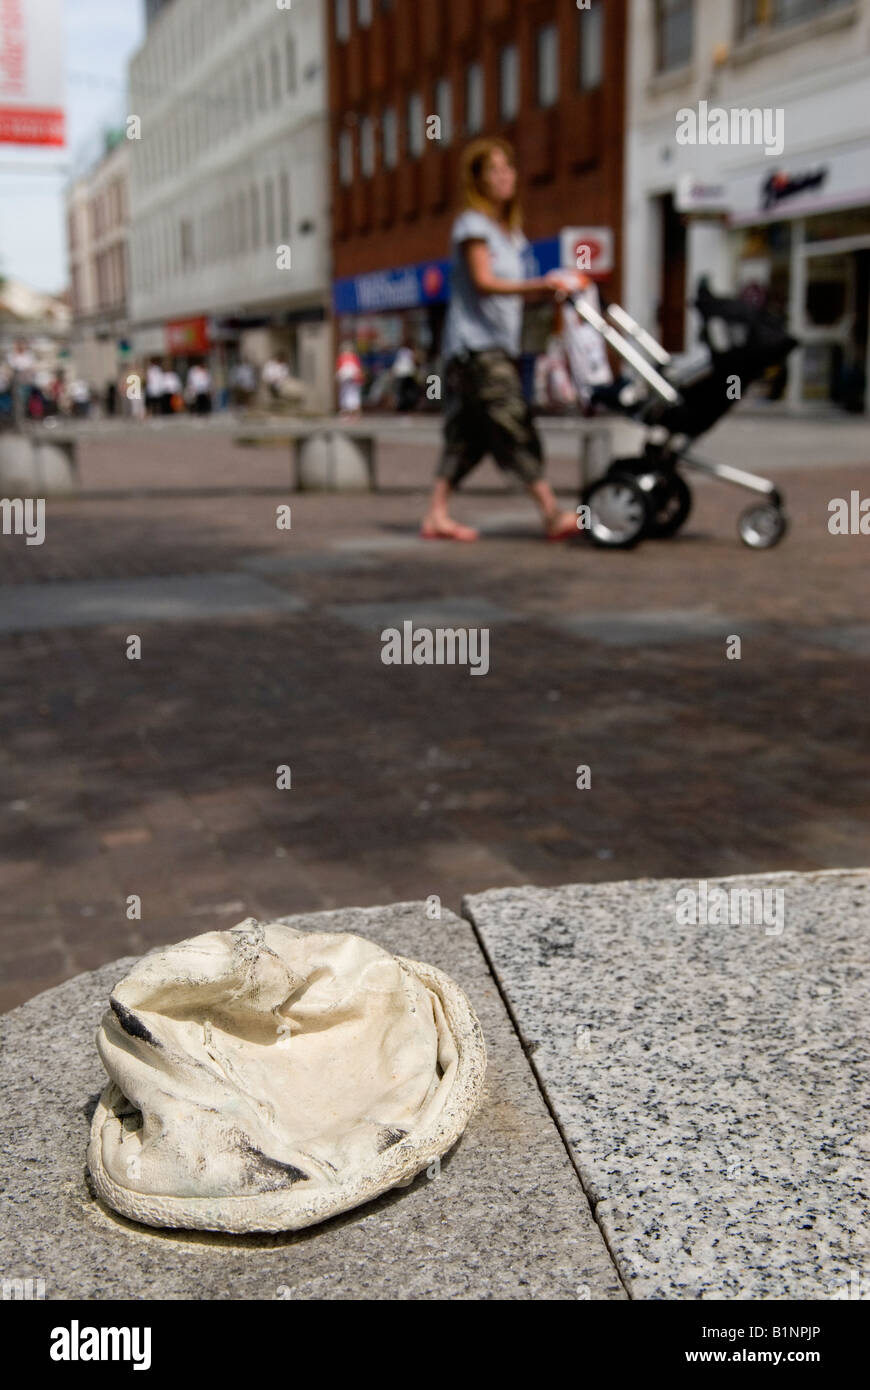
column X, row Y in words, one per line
column 832, row 323
column 672, row 277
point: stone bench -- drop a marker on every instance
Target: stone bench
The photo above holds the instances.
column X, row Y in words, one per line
column 38, row 463
column 329, row 456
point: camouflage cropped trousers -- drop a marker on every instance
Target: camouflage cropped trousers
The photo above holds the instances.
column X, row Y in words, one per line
column 485, row 412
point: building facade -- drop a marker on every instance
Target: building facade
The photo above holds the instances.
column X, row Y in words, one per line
column 770, row 198
column 410, row 84
column 98, row 228
column 230, row 206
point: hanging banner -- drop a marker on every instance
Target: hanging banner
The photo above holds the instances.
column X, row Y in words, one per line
column 31, row 72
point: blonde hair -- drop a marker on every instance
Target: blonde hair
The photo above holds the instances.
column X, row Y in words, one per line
column 471, row 172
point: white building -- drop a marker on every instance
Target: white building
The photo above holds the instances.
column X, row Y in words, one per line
column 781, row 211
column 97, row 214
column 229, row 186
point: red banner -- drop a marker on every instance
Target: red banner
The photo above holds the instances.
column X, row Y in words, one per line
column 22, row 125
column 187, row 336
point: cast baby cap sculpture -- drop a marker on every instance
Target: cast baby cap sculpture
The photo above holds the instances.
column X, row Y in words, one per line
column 265, row 1078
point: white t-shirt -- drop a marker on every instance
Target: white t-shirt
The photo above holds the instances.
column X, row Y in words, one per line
column 475, row 321
column 198, row 381
column 403, row 362
column 154, row 380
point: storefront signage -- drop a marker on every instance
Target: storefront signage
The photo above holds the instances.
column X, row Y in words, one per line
column 802, row 187
column 186, row 336
column 31, row 72
column 780, row 186
column 413, row 286
column 384, row 290
column 587, row 248
column 696, row 195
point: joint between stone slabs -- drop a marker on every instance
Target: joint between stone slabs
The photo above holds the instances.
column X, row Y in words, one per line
column 467, row 915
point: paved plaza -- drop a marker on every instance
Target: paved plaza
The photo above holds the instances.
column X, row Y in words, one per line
column 261, row 649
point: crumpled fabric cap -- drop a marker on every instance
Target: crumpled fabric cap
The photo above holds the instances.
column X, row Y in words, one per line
column 266, row 1078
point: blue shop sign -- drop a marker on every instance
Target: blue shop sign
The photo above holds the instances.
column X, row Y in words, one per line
column 407, row 288
column 414, row 286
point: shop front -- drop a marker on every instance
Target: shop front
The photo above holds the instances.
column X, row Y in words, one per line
column 801, row 244
column 379, row 311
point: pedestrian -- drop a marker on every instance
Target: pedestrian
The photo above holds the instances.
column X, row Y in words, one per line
column 80, row 395
column 243, row 383
column 349, row 376
column 198, row 389
column 405, row 373
column 154, row 387
column 275, row 372
column 172, row 399
column 485, row 411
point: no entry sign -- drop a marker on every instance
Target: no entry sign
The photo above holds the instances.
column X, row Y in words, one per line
column 587, row 248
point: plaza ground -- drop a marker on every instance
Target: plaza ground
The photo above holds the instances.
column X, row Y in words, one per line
column 261, row 648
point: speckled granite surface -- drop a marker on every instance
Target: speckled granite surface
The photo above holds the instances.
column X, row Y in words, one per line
column 506, row 1218
column 712, row 1081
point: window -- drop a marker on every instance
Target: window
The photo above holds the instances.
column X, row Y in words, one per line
column 474, row 101
column 416, row 125
column 241, row 222
column 547, row 65
column 390, row 138
column 290, row 64
column 590, row 38
column 757, row 16
column 509, row 83
column 285, row 205
column 367, row 147
column 674, row 33
column 270, row 213
column 276, row 76
column 444, row 108
column 342, row 20
column 345, row 158
column 255, row 216
column 364, row 13
column 261, row 84
column 248, row 88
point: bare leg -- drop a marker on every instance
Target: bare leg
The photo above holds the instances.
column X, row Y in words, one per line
column 556, row 522
column 437, row 523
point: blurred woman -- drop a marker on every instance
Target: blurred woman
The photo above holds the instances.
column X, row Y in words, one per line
column 485, row 411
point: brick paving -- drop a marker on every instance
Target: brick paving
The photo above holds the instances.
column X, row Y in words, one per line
column 157, row 777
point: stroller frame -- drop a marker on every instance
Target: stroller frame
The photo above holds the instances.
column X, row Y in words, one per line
column 647, row 496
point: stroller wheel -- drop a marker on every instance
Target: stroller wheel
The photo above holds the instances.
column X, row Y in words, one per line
column 762, row 527
column 671, row 508
column 619, row 511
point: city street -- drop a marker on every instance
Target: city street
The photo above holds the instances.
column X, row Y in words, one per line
column 261, row 648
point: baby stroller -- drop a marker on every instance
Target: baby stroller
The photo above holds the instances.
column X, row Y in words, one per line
column 647, row 496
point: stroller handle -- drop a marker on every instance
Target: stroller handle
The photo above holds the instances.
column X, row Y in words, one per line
column 627, row 351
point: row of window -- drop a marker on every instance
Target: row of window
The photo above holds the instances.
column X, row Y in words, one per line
column 675, row 23
column 257, row 217
column 364, row 15
column 109, row 279
column 182, row 37
column 589, row 74
column 201, row 121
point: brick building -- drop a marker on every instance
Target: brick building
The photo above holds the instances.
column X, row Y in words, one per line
column 546, row 74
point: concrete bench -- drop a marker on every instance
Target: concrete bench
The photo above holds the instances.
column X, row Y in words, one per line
column 38, row 463
column 337, row 469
